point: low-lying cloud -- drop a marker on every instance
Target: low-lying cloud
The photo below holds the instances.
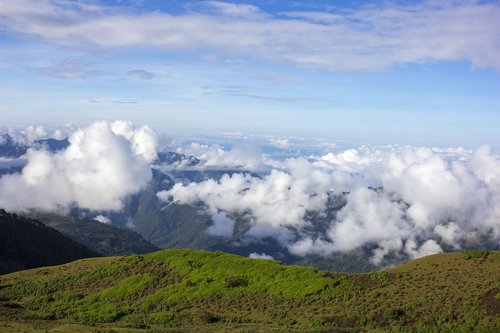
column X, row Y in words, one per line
column 103, row 219
column 242, row 156
column 398, row 200
column 222, row 225
column 103, row 164
column 255, row 255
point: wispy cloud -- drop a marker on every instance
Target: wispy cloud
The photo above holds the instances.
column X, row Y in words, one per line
column 69, row 69
column 142, row 74
column 236, row 10
column 114, row 101
column 271, row 98
column 252, row 92
column 363, row 39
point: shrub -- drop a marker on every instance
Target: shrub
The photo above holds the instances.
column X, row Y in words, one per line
column 236, row 281
column 476, row 254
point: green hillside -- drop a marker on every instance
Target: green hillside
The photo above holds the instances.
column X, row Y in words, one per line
column 102, row 238
column 187, row 290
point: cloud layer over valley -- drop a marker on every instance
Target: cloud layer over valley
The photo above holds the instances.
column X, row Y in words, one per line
column 391, row 200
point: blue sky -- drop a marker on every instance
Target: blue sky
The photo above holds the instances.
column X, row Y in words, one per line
column 410, row 72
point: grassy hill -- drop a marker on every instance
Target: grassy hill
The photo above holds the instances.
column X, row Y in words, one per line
column 199, row 291
column 27, row 243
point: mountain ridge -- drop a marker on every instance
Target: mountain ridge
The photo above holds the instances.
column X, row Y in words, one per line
column 28, row 243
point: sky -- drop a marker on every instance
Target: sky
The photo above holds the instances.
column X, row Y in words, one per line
column 381, row 72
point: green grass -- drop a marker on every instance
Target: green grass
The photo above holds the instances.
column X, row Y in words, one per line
column 191, row 290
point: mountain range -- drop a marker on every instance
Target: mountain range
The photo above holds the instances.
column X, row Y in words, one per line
column 145, row 223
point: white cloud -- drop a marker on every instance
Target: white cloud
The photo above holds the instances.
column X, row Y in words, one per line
column 144, row 140
column 449, row 233
column 34, row 133
column 278, row 199
column 102, row 219
column 427, row 248
column 399, row 200
column 281, row 143
column 244, row 156
column 384, row 248
column 237, row 10
column 255, row 255
column 368, row 38
column 321, row 17
column 222, row 225
column 368, row 217
column 29, row 135
column 351, row 160
column 486, row 166
column 58, row 134
column 233, row 134
column 98, row 169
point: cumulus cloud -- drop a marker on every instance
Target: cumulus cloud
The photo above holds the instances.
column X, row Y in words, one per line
column 34, row 133
column 144, row 140
column 368, row 216
column 279, row 198
column 29, row 135
column 393, row 200
column 103, row 164
column 363, row 38
column 58, row 135
column 350, row 160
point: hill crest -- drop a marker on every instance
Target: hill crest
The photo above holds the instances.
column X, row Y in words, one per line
column 199, row 290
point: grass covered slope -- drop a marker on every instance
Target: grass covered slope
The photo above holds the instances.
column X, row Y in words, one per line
column 199, row 290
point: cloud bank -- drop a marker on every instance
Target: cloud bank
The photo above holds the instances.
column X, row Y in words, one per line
column 364, row 38
column 393, row 201
column 103, row 164
column 245, row 156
